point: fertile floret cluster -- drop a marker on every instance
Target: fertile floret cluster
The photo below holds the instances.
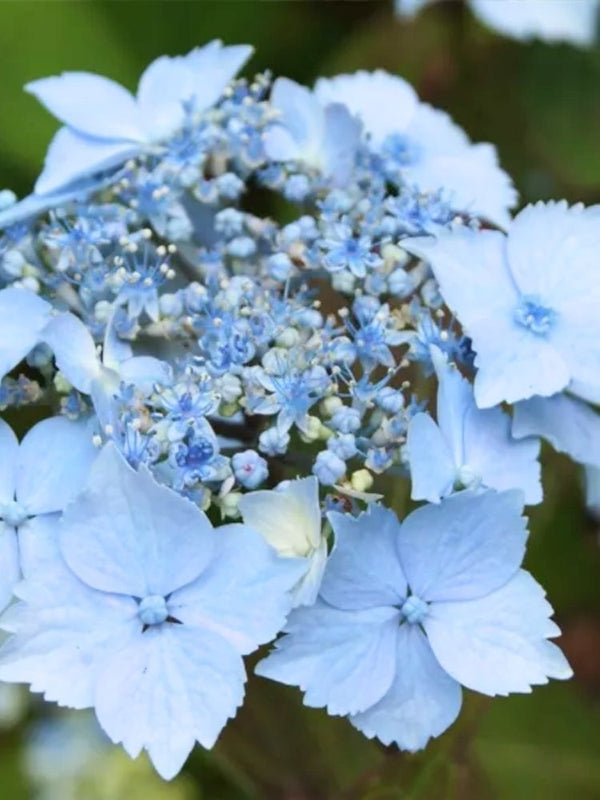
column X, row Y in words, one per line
column 230, row 301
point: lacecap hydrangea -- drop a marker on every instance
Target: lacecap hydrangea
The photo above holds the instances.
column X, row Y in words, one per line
column 224, row 396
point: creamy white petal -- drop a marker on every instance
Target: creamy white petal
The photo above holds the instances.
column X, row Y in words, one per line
column 289, row 518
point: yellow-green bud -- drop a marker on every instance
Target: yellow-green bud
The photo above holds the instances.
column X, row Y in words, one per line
column 330, row 405
column 312, row 430
column 361, row 480
column 229, row 505
column 228, row 409
column 206, row 500
column 61, row 384
column 289, row 337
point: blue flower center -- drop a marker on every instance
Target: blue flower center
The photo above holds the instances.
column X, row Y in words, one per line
column 414, row 610
column 197, row 454
column 152, row 610
column 13, row 513
column 531, row 314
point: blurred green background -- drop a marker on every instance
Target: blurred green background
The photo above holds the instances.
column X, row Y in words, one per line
column 540, row 104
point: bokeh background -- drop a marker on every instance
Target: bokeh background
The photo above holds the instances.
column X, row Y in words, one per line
column 540, row 104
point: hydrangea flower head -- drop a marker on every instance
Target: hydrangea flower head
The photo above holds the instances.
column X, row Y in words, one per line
column 468, row 447
column 218, row 350
column 528, row 299
column 116, row 126
column 150, row 611
column 289, row 519
column 407, row 613
column 432, row 151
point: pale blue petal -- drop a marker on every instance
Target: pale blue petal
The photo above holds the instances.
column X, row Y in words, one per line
column 74, row 350
column 513, row 365
column 484, row 451
column 38, row 545
column 454, row 399
column 244, row 595
column 307, row 589
column 63, row 632
column 10, row 572
column 9, row 448
column 114, row 349
column 53, row 464
column 72, row 156
column 34, row 205
column 471, row 268
column 592, row 490
column 576, row 338
column 475, row 281
column 363, row 569
column 569, row 424
column 422, row 702
column 26, row 208
column 213, row 67
column 126, row 533
column 408, row 8
column 144, row 372
column 279, row 144
column 342, row 660
column 541, row 240
column 586, row 391
column 432, row 467
column 436, row 132
column 384, row 103
column 93, row 105
column 501, row 461
column 164, row 85
column 200, row 77
column 167, row 688
column 498, row 644
column 472, row 180
column 465, row 547
column 340, row 142
column 555, row 21
column 22, row 316
column 104, row 391
column 545, row 236
column 468, row 173
column 300, row 111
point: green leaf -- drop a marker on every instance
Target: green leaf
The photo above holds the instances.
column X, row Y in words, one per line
column 545, row 745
